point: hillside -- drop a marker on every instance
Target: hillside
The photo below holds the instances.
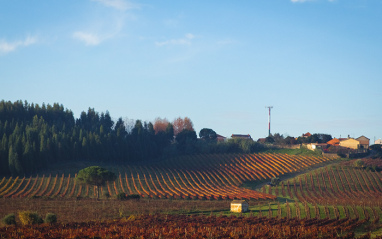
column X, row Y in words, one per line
column 35, row 138
column 314, row 192
column 213, row 176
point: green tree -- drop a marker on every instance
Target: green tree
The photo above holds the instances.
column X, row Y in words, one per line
column 14, row 162
column 290, row 140
column 278, row 138
column 4, row 169
column 269, row 140
column 106, row 122
column 170, row 131
column 95, row 176
column 186, row 140
column 207, row 134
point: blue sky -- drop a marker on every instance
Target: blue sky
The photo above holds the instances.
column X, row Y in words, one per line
column 317, row 62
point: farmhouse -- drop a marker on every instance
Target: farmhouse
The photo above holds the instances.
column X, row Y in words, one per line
column 350, row 143
column 361, row 142
column 306, row 135
column 364, row 142
column 241, row 136
column 262, row 140
column 239, row 206
column 378, row 141
column 220, row 138
column 334, row 142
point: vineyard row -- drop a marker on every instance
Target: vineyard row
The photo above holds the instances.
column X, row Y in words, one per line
column 189, row 177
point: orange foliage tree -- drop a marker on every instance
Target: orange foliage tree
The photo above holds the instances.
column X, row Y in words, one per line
column 160, row 125
column 180, row 124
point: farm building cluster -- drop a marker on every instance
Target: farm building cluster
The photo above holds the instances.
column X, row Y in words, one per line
column 345, row 146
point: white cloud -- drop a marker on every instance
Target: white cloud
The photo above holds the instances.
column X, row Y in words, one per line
column 6, row 47
column 186, row 40
column 88, row 38
column 117, row 4
column 98, row 33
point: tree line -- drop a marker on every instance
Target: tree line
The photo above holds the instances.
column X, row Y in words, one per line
column 279, row 139
column 34, row 137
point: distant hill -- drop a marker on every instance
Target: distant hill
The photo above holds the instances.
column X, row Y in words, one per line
column 35, row 137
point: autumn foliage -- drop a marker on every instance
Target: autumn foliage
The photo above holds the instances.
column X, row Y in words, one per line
column 181, row 226
column 213, row 177
column 180, row 124
column 160, row 125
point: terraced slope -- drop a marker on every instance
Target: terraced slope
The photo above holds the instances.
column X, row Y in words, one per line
column 336, row 185
column 213, row 176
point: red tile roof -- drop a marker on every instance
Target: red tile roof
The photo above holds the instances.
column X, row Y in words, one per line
column 307, row 134
column 334, row 142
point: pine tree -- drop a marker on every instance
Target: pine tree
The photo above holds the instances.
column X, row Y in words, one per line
column 27, row 157
column 15, row 166
column 4, row 169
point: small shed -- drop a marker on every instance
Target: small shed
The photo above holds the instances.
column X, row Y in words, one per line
column 314, row 146
column 239, row 206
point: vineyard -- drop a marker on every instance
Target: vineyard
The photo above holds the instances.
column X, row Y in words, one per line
column 180, row 226
column 189, row 197
column 213, row 177
column 334, row 185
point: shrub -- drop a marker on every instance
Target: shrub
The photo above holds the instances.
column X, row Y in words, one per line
column 106, row 194
column 50, row 218
column 28, row 217
column 358, row 163
column 134, row 196
column 372, row 169
column 342, row 155
column 121, row 196
column 275, row 181
column 10, row 219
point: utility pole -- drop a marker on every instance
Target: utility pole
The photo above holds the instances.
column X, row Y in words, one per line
column 269, row 119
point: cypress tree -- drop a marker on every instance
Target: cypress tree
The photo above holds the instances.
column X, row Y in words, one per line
column 4, row 169
column 28, row 157
column 15, row 166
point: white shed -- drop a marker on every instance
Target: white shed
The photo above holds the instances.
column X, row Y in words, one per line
column 239, row 206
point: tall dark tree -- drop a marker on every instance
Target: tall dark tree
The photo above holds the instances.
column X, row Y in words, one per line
column 186, row 140
column 106, row 122
column 14, row 162
column 4, row 168
column 207, row 134
column 170, row 131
